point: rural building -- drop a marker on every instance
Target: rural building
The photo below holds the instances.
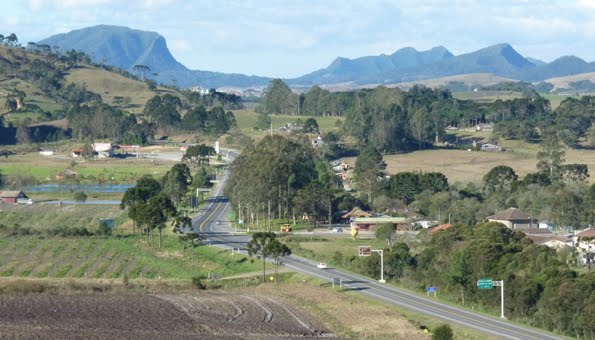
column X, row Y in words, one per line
column 355, row 212
column 584, row 242
column 339, row 166
column 11, row 196
column 490, row 147
column 100, row 150
column 440, row 227
column 292, row 127
column 317, row 142
column 371, row 223
column 484, row 127
column 514, row 219
column 425, row 224
column 545, row 237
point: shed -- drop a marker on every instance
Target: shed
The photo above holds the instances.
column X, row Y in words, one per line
column 11, row 196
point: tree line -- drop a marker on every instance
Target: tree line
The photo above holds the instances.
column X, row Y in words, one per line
column 394, row 120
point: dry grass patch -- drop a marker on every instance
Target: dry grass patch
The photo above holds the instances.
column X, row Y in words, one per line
column 346, row 314
column 471, row 166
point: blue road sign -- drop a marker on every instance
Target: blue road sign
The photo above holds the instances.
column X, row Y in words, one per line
column 432, row 289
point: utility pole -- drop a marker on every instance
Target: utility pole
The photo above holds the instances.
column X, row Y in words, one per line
column 330, row 216
column 269, row 226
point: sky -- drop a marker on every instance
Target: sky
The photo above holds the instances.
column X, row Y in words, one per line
column 287, row 38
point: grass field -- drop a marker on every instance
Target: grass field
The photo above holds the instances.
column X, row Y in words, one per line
column 109, row 85
column 487, row 96
column 322, row 249
column 491, row 96
column 246, row 121
column 470, row 166
column 47, row 167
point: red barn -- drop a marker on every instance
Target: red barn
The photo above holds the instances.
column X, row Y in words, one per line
column 11, row 196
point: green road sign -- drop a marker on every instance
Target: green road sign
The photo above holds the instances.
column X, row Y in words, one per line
column 485, row 284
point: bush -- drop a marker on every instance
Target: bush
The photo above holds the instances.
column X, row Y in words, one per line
column 443, row 332
column 197, row 282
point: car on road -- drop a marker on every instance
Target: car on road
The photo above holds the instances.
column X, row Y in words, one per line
column 321, row 265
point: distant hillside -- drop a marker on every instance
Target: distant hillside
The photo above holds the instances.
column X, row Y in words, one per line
column 373, row 69
column 561, row 83
column 409, row 65
column 124, row 47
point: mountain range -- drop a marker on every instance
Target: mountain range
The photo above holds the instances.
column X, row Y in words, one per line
column 124, row 47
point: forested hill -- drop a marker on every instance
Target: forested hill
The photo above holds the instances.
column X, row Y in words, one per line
column 49, row 94
column 124, row 48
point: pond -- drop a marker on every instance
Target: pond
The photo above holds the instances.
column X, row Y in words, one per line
column 55, row 187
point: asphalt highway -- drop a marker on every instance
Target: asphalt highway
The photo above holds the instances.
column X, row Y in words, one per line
column 211, row 223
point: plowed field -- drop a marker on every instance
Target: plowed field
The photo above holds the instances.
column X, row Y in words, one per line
column 183, row 316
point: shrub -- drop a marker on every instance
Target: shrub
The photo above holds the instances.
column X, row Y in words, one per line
column 443, row 332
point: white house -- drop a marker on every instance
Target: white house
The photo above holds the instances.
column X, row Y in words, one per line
column 317, row 142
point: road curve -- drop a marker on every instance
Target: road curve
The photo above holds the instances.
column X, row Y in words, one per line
column 210, row 222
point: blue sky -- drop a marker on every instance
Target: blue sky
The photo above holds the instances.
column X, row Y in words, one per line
column 284, row 38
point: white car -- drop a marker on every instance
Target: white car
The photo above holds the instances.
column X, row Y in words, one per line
column 321, row 265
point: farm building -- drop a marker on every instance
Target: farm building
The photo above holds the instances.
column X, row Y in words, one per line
column 440, row 227
column 490, row 147
column 11, row 196
column 371, row 223
column 100, row 150
column 514, row 219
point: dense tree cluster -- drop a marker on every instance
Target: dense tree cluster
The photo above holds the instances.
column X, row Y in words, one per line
column 228, row 101
column 149, row 205
column 211, row 122
column 270, row 174
column 98, row 121
column 395, row 120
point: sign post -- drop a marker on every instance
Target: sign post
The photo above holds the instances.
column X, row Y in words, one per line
column 432, row 290
column 367, row 251
column 489, row 284
column 501, row 284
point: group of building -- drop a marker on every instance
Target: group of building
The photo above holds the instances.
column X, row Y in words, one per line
column 540, row 232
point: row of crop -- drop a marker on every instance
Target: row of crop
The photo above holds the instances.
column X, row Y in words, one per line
column 103, row 257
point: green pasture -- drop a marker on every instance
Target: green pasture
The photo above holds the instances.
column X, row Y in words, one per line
column 246, row 120
column 45, row 168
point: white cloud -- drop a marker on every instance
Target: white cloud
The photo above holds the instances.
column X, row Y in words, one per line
column 38, row 5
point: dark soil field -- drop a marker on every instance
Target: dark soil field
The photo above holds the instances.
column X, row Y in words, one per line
column 183, row 316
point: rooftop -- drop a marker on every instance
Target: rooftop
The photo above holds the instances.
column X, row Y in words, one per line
column 510, row 214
